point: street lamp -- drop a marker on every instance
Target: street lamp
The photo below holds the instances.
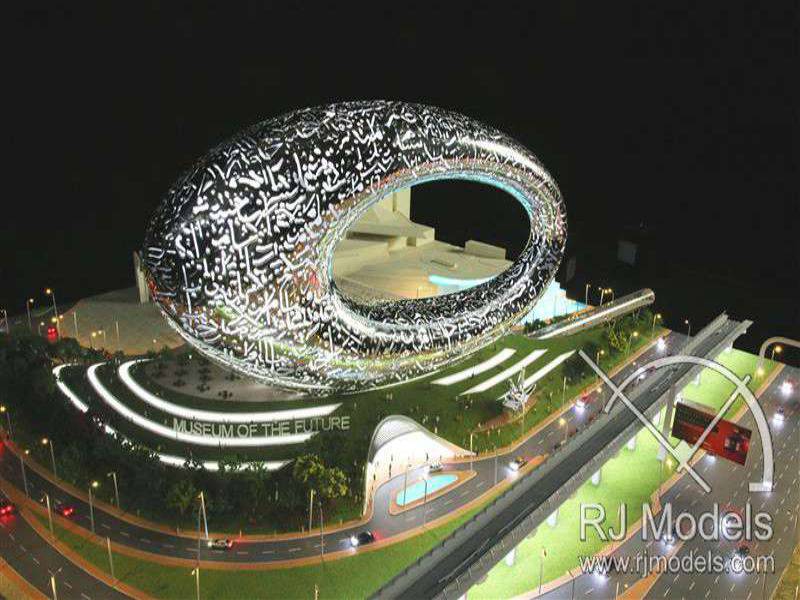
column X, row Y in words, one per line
column 94, row 485
column 47, row 442
column 610, row 291
column 635, row 334
column 689, row 330
column 586, row 294
column 656, row 317
column 28, row 305
column 52, row 294
column 113, row 475
column 562, row 422
column 776, row 350
column 564, row 390
column 602, row 295
column 3, row 409
column 196, row 573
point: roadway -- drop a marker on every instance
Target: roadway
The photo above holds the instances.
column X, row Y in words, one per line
column 728, row 483
column 489, row 469
column 36, row 561
column 428, row 579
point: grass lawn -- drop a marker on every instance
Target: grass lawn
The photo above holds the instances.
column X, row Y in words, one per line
column 789, row 583
column 357, row 576
column 629, row 478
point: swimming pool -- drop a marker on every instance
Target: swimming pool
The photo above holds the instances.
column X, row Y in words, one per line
column 417, row 491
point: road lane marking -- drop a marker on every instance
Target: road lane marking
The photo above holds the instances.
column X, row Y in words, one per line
column 294, row 549
column 125, row 533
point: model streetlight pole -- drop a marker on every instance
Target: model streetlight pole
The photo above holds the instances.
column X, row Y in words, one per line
column 196, row 573
column 91, row 503
column 49, row 512
column 776, row 350
column 424, row 502
column 113, row 475
column 28, row 305
column 52, row 294
column 48, row 442
column 3, row 409
column 688, row 324
column 110, row 558
column 586, row 294
column 656, row 317
column 24, row 477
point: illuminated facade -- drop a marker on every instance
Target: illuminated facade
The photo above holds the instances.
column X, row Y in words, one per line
column 239, row 254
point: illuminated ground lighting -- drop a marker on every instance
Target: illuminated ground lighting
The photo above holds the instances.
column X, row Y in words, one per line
column 239, row 255
column 217, row 417
column 529, row 381
column 169, row 459
column 509, row 372
column 662, row 344
column 188, row 438
column 495, row 360
column 786, row 388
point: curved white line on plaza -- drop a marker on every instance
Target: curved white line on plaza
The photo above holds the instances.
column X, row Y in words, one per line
column 477, row 369
column 188, row 438
column 168, row 459
column 517, row 366
column 213, row 416
column 73, row 397
column 547, row 368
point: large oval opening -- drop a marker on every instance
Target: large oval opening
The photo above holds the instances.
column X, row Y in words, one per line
column 433, row 239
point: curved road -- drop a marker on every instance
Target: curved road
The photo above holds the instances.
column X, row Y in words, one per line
column 488, row 471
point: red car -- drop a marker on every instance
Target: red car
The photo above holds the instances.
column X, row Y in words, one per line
column 6, row 507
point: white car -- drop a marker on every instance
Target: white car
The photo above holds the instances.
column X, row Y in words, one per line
column 517, row 464
column 220, row 544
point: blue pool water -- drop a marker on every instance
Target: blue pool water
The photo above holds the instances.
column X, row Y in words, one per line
column 417, row 491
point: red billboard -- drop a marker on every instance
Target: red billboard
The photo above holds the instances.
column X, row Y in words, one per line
column 726, row 439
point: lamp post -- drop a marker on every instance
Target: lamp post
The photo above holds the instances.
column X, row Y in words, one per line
column 205, row 515
column 610, row 291
column 562, row 422
column 52, row 294
column 48, row 442
column 49, row 512
column 196, row 573
column 321, row 531
column 110, row 558
column 39, row 327
column 656, row 317
column 3, row 409
column 688, row 324
column 586, row 294
column 424, row 502
column 564, row 391
column 776, row 350
column 495, row 464
column 635, row 334
column 471, row 455
column 91, row 502
column 541, row 569
column 91, row 340
column 602, row 295
column 597, row 361
column 310, row 509
column 113, row 475
column 28, row 304
column 24, row 477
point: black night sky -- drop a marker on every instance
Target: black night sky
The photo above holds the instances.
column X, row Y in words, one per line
column 672, row 123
